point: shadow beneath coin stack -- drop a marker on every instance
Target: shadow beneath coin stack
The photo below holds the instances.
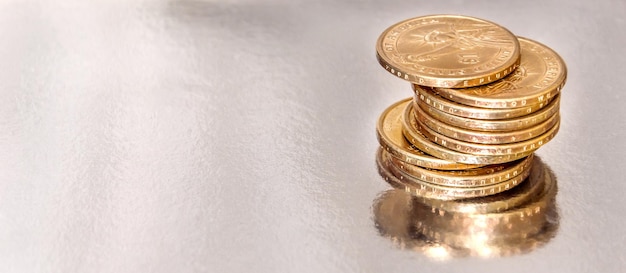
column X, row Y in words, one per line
column 516, row 221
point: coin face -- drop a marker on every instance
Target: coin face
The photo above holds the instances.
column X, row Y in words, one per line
column 390, row 137
column 540, row 76
column 448, row 51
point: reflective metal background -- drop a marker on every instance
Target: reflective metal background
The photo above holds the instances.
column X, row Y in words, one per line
column 238, row 136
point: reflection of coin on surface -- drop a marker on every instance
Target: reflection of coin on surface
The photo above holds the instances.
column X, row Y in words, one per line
column 408, row 223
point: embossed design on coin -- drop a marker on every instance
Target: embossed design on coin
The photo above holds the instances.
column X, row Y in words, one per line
column 509, row 83
column 461, row 41
column 448, row 51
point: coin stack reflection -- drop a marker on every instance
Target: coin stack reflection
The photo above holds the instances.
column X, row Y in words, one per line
column 484, row 100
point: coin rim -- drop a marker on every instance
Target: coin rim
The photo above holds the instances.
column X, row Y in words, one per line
column 437, row 101
column 487, row 149
column 482, row 136
column 494, row 125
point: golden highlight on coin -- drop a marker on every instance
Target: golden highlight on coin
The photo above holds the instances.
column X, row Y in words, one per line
column 451, row 51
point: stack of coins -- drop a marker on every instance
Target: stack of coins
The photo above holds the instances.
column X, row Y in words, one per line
column 484, row 100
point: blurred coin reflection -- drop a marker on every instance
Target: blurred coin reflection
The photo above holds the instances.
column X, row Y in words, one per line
column 485, row 227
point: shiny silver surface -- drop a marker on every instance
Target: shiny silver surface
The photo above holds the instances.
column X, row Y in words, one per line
column 238, row 136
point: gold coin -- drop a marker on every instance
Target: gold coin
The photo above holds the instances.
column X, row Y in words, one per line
column 427, row 95
column 513, row 124
column 488, row 149
column 540, row 76
column 467, row 178
column 410, row 128
column 448, row 51
column 521, row 220
column 389, row 134
column 428, row 190
column 484, row 137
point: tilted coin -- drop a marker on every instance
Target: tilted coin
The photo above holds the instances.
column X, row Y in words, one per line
column 448, row 51
column 489, row 149
column 467, row 178
column 540, row 76
column 427, row 95
column 429, row 190
column 410, row 128
column 513, row 124
column 390, row 137
column 481, row 136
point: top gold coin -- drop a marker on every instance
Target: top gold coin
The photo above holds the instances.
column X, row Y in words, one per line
column 450, row 51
